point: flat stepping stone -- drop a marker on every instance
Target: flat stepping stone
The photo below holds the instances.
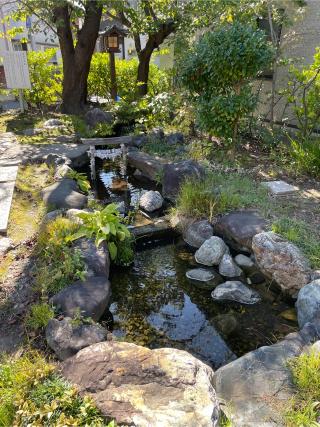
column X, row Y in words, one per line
column 280, row 188
column 8, row 173
column 6, row 194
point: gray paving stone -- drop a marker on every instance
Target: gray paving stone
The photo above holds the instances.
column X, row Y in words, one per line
column 280, row 188
column 6, row 193
column 8, row 173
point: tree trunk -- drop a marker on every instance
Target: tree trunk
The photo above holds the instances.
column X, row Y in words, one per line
column 74, row 93
column 76, row 59
column 143, row 72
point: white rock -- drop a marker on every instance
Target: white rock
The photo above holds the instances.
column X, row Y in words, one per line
column 151, row 201
column 211, row 251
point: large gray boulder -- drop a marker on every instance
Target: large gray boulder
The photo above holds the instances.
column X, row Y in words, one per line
column 66, row 337
column 197, row 233
column 96, row 116
column 151, row 201
column 90, row 298
column 134, row 385
column 174, row 174
column 308, row 303
column 63, row 194
column 238, row 228
column 150, row 166
column 235, row 291
column 228, row 268
column 97, row 260
column 281, row 261
column 257, row 386
column 211, row 251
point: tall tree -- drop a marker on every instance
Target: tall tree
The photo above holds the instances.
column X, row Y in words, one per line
column 76, row 23
column 157, row 20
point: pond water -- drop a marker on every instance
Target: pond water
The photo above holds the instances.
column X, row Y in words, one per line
column 114, row 181
column 154, row 304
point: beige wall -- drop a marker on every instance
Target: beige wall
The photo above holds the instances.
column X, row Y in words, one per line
column 299, row 39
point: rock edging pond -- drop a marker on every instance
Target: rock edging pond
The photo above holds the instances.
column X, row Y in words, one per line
column 170, row 387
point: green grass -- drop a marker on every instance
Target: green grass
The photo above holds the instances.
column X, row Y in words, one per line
column 32, row 393
column 305, row 407
column 302, row 235
column 39, row 316
column 58, row 264
column 156, row 147
column 219, row 193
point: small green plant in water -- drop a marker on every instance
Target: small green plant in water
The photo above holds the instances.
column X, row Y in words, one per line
column 125, row 253
column 81, row 179
column 104, row 226
column 39, row 316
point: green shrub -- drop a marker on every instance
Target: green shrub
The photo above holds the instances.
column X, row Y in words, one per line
column 103, row 225
column 218, row 72
column 303, row 94
column 306, row 155
column 81, row 179
column 45, row 78
column 305, row 407
column 99, row 82
column 301, row 234
column 32, row 394
column 39, row 316
column 219, row 193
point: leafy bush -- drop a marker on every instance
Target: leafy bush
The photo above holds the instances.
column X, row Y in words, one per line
column 99, row 81
column 218, row 72
column 58, row 264
column 306, row 155
column 39, row 316
column 305, row 407
column 302, row 235
column 45, row 79
column 303, row 94
column 81, row 179
column 32, row 394
column 219, row 193
column 103, row 225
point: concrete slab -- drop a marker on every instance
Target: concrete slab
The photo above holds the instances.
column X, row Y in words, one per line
column 8, row 173
column 6, row 193
column 280, row 188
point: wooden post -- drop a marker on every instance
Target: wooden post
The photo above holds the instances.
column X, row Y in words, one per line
column 113, row 76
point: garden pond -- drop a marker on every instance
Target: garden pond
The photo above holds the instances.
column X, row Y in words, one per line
column 154, row 304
